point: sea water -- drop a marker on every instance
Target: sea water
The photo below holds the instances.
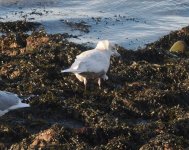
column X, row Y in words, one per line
column 129, row 23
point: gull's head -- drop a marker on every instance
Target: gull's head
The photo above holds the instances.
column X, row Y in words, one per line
column 106, row 45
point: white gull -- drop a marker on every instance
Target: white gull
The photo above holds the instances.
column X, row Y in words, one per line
column 10, row 101
column 93, row 63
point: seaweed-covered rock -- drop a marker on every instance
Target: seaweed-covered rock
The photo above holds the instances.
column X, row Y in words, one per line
column 18, row 26
column 143, row 105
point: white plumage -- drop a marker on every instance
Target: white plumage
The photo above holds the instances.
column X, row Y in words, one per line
column 93, row 63
column 10, row 101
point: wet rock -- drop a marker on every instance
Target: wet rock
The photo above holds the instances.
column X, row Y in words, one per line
column 17, row 26
column 20, row 40
column 43, row 139
column 165, row 141
column 81, row 26
column 35, row 41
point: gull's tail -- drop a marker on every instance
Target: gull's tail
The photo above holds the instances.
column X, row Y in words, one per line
column 71, row 70
column 2, row 112
column 19, row 105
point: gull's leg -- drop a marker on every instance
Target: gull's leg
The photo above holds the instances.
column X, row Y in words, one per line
column 99, row 83
column 85, row 83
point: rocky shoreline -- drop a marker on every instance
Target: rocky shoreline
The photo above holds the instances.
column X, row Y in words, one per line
column 144, row 104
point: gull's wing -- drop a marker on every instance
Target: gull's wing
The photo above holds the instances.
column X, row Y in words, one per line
column 86, row 54
column 7, row 100
column 10, row 101
column 79, row 60
column 91, row 61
